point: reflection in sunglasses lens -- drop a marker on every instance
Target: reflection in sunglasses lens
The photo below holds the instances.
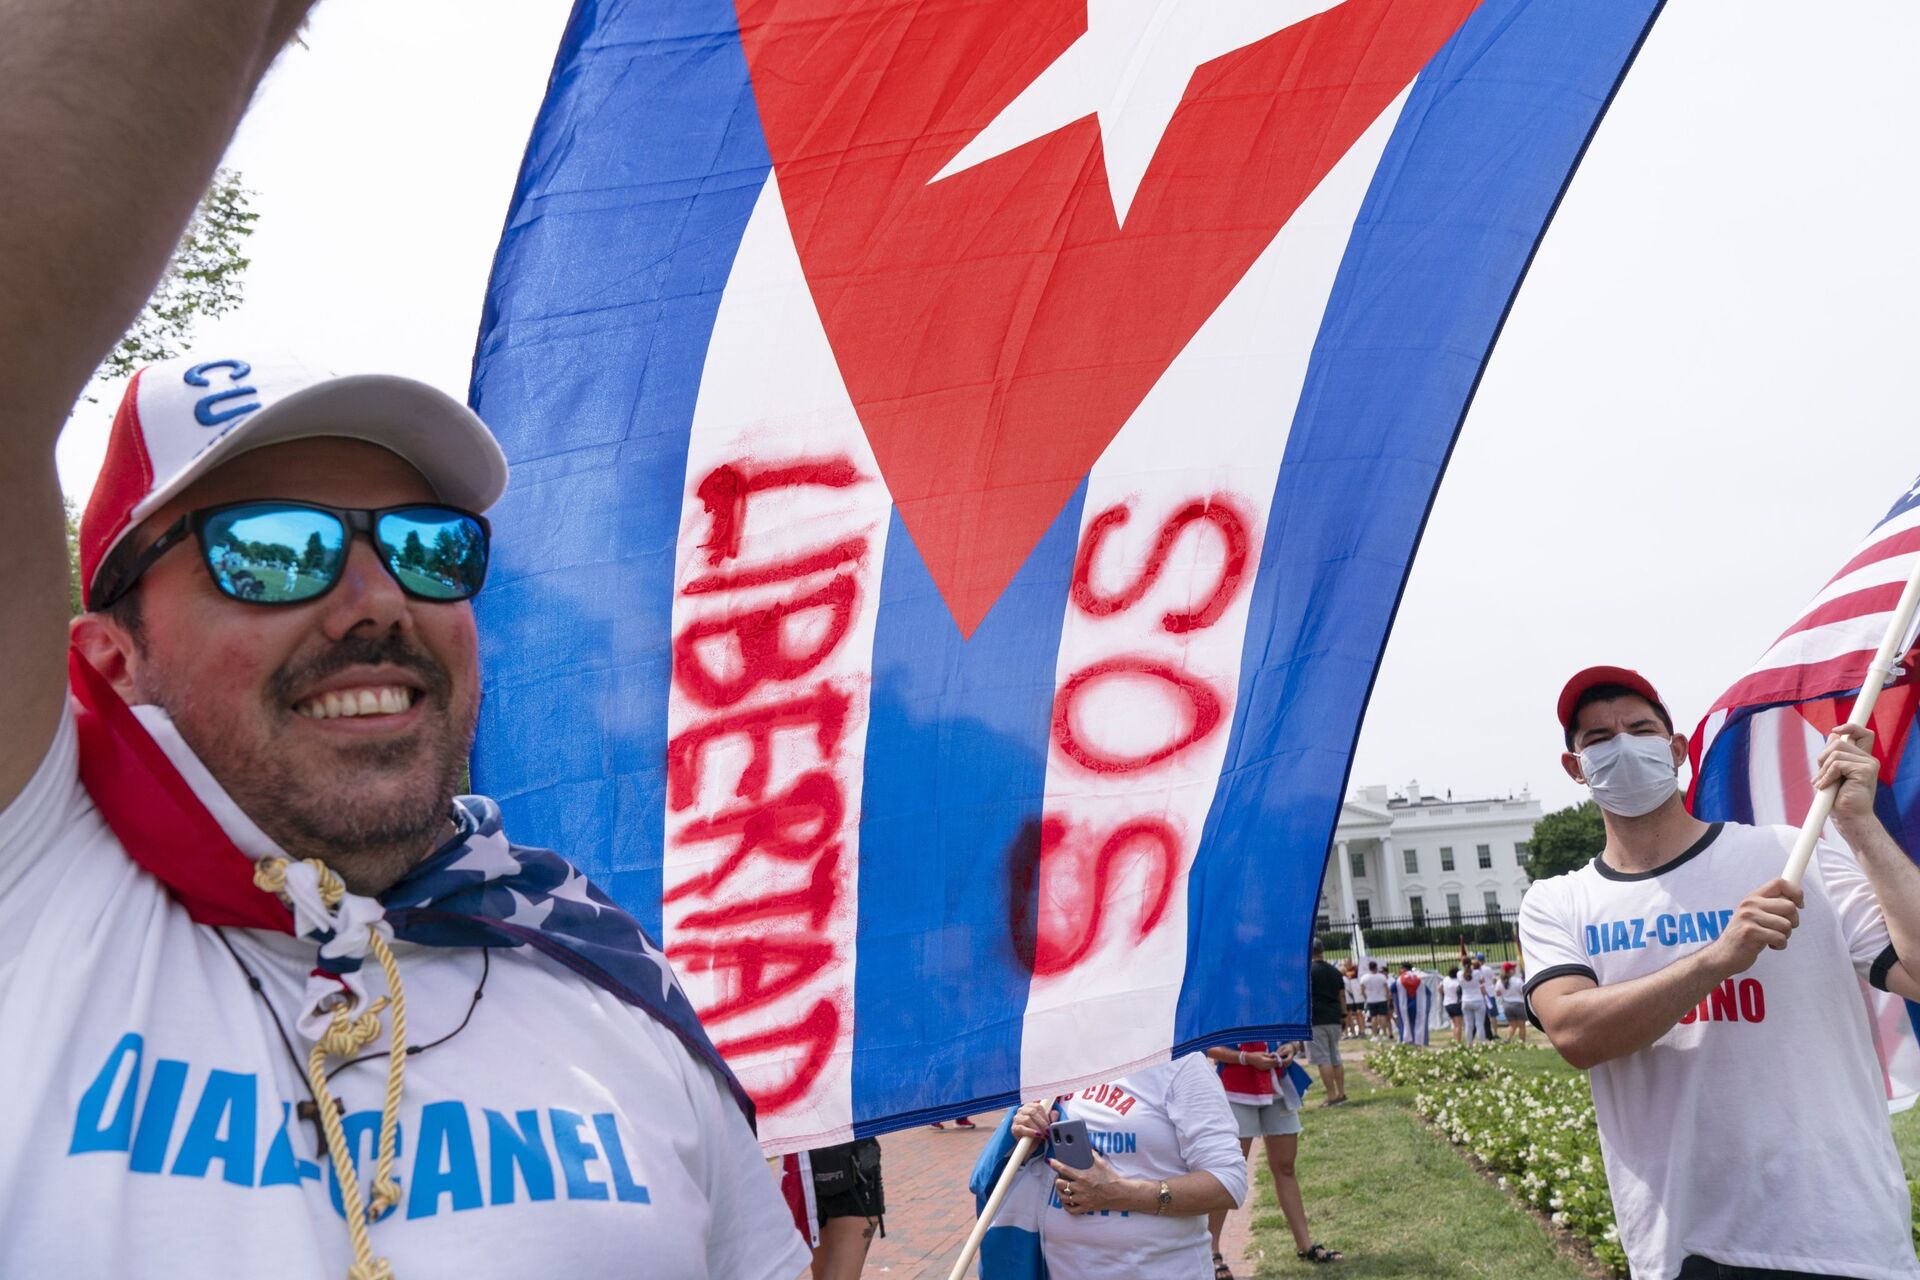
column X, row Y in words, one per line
column 435, row 553
column 274, row 554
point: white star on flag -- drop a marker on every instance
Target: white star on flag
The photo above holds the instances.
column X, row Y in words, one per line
column 574, row 889
column 525, row 913
column 1130, row 68
column 489, row 856
column 667, row 981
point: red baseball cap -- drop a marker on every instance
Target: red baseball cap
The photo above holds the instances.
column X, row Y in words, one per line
column 1592, row 676
column 181, row 418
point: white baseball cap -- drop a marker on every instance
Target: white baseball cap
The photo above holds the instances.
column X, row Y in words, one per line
column 181, row 418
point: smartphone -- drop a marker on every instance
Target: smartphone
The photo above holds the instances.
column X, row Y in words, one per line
column 1070, row 1145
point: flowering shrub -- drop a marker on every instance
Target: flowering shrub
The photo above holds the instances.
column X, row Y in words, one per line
column 1536, row 1134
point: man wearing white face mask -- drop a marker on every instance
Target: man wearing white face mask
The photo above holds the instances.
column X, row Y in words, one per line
column 1741, row 1110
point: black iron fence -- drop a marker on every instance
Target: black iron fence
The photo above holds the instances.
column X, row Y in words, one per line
column 1432, row 940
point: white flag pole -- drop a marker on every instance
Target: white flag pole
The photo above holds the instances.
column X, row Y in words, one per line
column 1877, row 676
column 991, row 1207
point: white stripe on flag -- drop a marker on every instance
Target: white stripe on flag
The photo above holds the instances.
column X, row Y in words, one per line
column 1122, row 818
column 777, row 455
column 1827, row 641
column 1878, row 574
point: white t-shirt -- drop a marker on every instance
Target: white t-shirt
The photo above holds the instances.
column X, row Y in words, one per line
column 148, row 1128
column 1158, row 1123
column 1353, row 991
column 1473, row 990
column 1754, row 1132
column 1449, row 991
column 1373, row 986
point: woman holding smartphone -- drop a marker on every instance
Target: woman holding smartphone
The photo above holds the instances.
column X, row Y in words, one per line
column 1160, row 1154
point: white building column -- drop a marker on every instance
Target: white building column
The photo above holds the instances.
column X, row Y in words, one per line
column 1348, row 910
column 1390, row 878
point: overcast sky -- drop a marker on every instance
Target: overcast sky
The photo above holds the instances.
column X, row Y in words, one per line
column 1704, row 395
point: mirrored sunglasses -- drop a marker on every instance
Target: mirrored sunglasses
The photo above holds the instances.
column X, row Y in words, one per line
column 278, row 551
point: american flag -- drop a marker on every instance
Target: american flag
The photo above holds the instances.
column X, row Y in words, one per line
column 1754, row 753
column 1827, row 648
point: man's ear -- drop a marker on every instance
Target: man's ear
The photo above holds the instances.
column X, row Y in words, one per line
column 1679, row 750
column 106, row 644
column 1570, row 761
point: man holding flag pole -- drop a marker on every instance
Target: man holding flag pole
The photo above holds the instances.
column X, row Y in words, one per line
column 1653, row 968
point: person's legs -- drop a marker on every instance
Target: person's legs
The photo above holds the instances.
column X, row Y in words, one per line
column 843, row 1248
column 1326, row 1056
column 1281, row 1149
column 1455, row 1019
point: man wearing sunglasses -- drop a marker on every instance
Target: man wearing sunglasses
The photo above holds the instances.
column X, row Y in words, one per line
column 246, row 927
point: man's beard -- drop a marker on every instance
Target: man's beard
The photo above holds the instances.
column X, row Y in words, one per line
column 327, row 812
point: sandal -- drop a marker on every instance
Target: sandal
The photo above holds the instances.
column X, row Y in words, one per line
column 1319, row 1253
column 1221, row 1271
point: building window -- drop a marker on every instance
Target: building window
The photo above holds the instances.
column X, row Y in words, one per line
column 1410, row 858
column 1365, row 909
column 1453, row 908
column 1486, row 857
column 1322, row 923
column 1446, row 858
column 1358, row 861
column 1493, row 902
column 1417, row 909
column 1521, row 852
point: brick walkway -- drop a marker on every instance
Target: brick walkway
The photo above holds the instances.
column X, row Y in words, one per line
column 930, row 1212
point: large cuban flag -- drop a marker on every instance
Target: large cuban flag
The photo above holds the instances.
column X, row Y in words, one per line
column 967, row 454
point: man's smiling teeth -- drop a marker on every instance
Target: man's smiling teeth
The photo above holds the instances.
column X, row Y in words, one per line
column 388, row 700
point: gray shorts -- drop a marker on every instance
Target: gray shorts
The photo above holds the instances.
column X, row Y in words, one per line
column 1272, row 1120
column 1326, row 1044
column 1516, row 1011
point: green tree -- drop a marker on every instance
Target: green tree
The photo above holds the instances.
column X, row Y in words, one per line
column 73, row 557
column 445, row 554
column 316, row 554
column 203, row 279
column 414, row 553
column 1565, row 840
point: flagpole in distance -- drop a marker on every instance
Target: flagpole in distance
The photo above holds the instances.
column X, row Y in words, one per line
column 1877, row 676
column 1021, row 1150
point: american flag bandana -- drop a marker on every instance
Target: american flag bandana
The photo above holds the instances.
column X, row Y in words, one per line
column 477, row 890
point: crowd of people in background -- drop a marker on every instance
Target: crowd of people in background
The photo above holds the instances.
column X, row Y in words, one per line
column 1481, row 1001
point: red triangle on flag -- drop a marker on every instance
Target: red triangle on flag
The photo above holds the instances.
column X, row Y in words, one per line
column 997, row 327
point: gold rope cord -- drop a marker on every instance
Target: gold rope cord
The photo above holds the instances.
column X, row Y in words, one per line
column 345, row 1036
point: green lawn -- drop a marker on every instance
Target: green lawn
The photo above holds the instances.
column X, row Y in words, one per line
column 1400, row 1201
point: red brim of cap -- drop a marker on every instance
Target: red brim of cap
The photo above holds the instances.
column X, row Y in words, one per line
column 1592, row 676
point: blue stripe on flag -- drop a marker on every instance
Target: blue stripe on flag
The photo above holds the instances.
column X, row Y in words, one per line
column 1723, row 791
column 1490, row 134
column 588, row 376
column 958, row 736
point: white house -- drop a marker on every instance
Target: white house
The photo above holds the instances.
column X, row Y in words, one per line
column 1416, row 856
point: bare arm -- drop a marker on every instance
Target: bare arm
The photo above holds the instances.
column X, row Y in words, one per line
column 112, row 116
column 1193, row 1193
column 1590, row 1024
column 1848, row 761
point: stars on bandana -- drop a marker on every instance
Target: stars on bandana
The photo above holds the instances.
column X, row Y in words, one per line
column 490, row 855
column 526, row 913
column 574, row 889
column 440, row 903
column 657, row 958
